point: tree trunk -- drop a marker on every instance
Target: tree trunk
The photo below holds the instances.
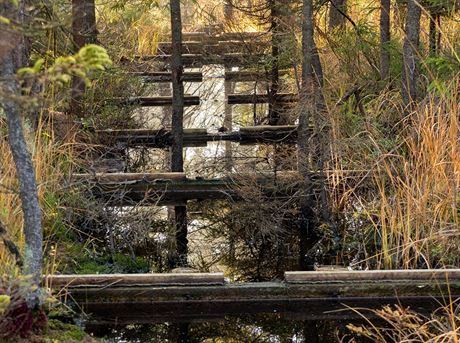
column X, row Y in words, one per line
column 84, row 32
column 307, row 100
column 385, row 36
column 11, row 58
column 177, row 126
column 410, row 55
column 273, row 112
column 433, row 35
column 336, row 10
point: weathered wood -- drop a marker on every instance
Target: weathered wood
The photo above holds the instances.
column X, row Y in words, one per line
column 232, row 76
column 234, row 99
column 161, row 138
column 131, row 280
column 388, row 276
column 198, row 60
column 215, row 47
column 114, row 190
column 225, row 36
column 248, row 76
column 126, row 178
column 158, row 77
column 314, row 299
column 156, row 101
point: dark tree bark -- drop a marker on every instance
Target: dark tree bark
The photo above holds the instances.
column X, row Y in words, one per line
column 84, row 32
column 307, row 234
column 177, row 126
column 336, row 10
column 13, row 56
column 385, row 37
column 273, row 113
column 433, row 35
column 410, row 54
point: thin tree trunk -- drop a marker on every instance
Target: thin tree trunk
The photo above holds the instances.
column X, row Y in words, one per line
column 10, row 60
column 84, row 32
column 177, row 126
column 307, row 98
column 385, row 36
column 410, row 54
column 273, row 111
column 336, row 8
column 433, row 35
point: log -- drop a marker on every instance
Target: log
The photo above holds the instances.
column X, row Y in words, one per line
column 128, row 178
column 158, row 77
column 110, row 301
column 125, row 280
column 389, row 276
column 161, row 138
column 236, row 99
column 115, row 190
column 198, row 60
column 157, row 101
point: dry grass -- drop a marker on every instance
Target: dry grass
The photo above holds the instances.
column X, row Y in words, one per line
column 399, row 324
column 51, row 160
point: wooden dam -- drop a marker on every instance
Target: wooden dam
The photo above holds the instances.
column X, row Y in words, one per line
column 141, row 298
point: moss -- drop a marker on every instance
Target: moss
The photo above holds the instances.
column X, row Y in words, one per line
column 117, row 263
column 63, row 332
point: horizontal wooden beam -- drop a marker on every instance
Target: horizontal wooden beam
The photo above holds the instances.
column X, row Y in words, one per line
column 225, row 36
column 158, row 77
column 199, row 60
column 156, row 101
column 109, row 301
column 114, row 190
column 162, row 138
column 215, row 47
column 235, row 99
column 356, row 276
column 131, row 280
column 231, row 76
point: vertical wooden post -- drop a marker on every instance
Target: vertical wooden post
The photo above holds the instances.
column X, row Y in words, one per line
column 83, row 32
column 177, row 127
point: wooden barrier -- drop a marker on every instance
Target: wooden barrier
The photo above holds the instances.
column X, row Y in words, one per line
column 156, row 101
column 161, row 138
column 150, row 298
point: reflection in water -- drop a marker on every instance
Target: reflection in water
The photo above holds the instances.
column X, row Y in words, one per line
column 266, row 328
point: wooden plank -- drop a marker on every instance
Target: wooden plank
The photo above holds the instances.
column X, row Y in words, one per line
column 314, row 299
column 355, row 276
column 127, row 178
column 132, row 280
column 248, row 76
column 159, row 77
column 157, row 101
column 161, row 138
column 198, row 60
column 215, row 47
column 114, row 191
column 235, row 99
